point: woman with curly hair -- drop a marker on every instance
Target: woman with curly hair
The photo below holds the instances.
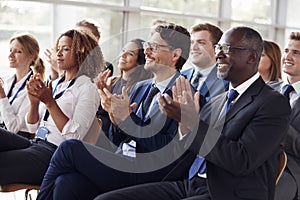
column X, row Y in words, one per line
column 60, row 110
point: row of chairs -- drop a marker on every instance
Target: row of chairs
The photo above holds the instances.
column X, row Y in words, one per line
column 91, row 137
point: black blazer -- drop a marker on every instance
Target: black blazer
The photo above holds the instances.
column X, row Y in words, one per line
column 243, row 162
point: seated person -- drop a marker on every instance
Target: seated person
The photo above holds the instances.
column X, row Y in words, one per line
column 64, row 109
column 239, row 133
column 270, row 63
column 289, row 184
column 14, row 102
column 142, row 147
column 131, row 65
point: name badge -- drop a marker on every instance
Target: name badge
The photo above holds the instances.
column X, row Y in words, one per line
column 42, row 133
column 129, row 149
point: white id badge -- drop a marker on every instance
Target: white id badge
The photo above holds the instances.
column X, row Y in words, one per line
column 42, row 133
column 129, row 149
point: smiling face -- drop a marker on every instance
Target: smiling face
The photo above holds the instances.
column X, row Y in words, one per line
column 128, row 57
column 159, row 58
column 291, row 60
column 202, row 52
column 239, row 64
column 18, row 57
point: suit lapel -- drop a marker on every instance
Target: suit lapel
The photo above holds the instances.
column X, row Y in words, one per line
column 209, row 82
column 295, row 110
column 168, row 90
column 247, row 97
column 141, row 94
column 190, row 74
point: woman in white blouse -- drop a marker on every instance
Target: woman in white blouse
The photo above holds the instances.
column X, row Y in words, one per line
column 60, row 110
column 24, row 58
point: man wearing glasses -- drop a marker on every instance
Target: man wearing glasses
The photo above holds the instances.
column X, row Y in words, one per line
column 144, row 132
column 248, row 123
column 203, row 74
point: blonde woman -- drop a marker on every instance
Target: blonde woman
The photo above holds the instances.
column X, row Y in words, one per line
column 14, row 103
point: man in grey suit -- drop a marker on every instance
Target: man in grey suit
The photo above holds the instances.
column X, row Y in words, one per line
column 289, row 183
column 243, row 163
column 203, row 74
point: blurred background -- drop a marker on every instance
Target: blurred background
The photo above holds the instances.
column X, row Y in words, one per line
column 122, row 20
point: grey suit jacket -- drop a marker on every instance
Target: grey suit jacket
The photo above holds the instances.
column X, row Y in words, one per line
column 292, row 140
column 214, row 85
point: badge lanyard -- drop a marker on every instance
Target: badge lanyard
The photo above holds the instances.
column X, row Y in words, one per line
column 59, row 94
column 19, row 90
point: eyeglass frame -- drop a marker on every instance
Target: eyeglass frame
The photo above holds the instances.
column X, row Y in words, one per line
column 230, row 47
column 156, row 46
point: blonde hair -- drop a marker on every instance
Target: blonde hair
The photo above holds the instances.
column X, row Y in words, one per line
column 31, row 47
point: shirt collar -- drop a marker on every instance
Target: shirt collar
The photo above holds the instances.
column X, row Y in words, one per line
column 295, row 85
column 163, row 84
column 204, row 72
column 245, row 85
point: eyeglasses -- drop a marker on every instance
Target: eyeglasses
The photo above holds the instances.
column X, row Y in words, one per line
column 226, row 48
column 154, row 46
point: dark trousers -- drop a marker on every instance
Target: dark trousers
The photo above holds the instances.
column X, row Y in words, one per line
column 194, row 189
column 76, row 172
column 23, row 160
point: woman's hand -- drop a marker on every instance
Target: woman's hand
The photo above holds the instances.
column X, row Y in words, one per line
column 39, row 91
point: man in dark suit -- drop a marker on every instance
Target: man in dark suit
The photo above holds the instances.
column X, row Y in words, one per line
column 243, row 161
column 289, row 183
column 137, row 130
column 203, row 74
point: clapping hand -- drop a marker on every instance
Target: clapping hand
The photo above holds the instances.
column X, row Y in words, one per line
column 183, row 108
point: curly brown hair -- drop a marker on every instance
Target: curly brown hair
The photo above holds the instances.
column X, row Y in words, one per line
column 87, row 51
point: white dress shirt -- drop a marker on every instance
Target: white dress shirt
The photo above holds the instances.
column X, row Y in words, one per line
column 79, row 103
column 294, row 95
column 13, row 114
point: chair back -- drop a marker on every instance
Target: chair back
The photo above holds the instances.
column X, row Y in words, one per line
column 282, row 165
column 93, row 133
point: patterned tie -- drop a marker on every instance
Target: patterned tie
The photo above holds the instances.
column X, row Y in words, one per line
column 195, row 82
column 288, row 89
column 154, row 90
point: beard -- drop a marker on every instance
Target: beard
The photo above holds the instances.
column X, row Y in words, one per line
column 223, row 72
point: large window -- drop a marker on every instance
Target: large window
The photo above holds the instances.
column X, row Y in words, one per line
column 19, row 17
column 122, row 20
column 207, row 8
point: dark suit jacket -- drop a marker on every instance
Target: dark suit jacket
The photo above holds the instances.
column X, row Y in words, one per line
column 150, row 133
column 244, row 161
column 215, row 86
column 292, row 141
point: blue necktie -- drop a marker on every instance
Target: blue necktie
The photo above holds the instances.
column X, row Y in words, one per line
column 195, row 82
column 232, row 95
column 288, row 89
column 199, row 165
column 146, row 104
